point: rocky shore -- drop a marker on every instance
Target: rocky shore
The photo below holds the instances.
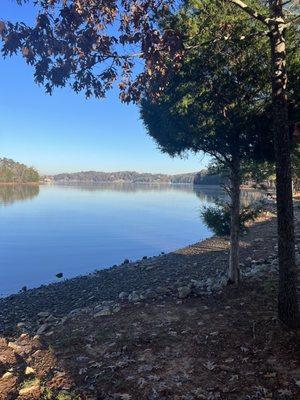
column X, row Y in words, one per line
column 195, row 270
column 161, row 328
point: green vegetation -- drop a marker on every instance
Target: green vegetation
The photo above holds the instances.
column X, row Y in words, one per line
column 14, row 172
column 206, row 108
column 201, row 178
column 218, row 217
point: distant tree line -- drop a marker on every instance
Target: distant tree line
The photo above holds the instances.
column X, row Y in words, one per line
column 201, row 178
column 14, row 172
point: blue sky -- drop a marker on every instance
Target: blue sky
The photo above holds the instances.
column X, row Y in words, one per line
column 65, row 132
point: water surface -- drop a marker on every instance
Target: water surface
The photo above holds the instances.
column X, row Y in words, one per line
column 77, row 229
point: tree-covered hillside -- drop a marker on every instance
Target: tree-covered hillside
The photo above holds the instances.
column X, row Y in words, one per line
column 201, row 178
column 14, row 172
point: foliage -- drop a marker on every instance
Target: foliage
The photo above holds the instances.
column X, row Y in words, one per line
column 135, row 177
column 212, row 103
column 218, row 217
column 14, row 172
column 92, row 44
column 296, row 168
column 89, row 44
column 205, row 177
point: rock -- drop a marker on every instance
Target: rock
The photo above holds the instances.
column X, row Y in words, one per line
column 126, row 261
column 42, row 329
column 106, row 311
column 82, row 359
column 51, row 319
column 148, row 294
column 7, row 375
column 184, row 292
column 134, row 297
column 30, row 391
column 116, row 309
column 150, row 267
column 162, row 290
column 22, row 325
column 29, row 371
column 24, row 336
column 197, row 283
column 15, row 347
column 123, row 296
column 74, row 312
column 43, row 314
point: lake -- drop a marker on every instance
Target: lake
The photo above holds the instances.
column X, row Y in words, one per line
column 77, row 229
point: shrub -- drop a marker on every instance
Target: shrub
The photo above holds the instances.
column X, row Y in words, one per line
column 217, row 217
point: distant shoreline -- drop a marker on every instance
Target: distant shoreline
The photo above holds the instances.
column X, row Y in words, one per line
column 121, row 183
column 19, row 183
column 93, row 177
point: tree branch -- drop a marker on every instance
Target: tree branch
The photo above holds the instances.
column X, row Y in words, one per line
column 250, row 11
column 293, row 21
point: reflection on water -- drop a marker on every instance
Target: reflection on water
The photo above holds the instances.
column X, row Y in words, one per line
column 204, row 193
column 76, row 229
column 12, row 193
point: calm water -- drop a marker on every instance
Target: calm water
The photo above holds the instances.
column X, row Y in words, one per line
column 77, row 229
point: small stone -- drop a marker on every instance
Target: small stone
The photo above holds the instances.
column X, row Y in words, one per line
column 29, row 391
column 148, row 294
column 123, row 296
column 162, row 290
column 184, row 292
column 51, row 318
column 16, row 348
column 106, row 311
column 42, row 329
column 43, row 314
column 29, row 371
column 134, row 297
column 21, row 325
column 7, row 375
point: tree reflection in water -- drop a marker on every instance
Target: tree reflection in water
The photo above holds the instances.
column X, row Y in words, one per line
column 205, row 193
column 10, row 194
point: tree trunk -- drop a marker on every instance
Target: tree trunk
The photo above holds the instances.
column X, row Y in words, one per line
column 288, row 311
column 234, row 271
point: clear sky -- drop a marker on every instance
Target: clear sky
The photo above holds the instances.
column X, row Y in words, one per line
column 65, row 132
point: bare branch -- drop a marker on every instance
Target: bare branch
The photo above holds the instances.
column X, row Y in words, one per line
column 292, row 21
column 250, row 11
